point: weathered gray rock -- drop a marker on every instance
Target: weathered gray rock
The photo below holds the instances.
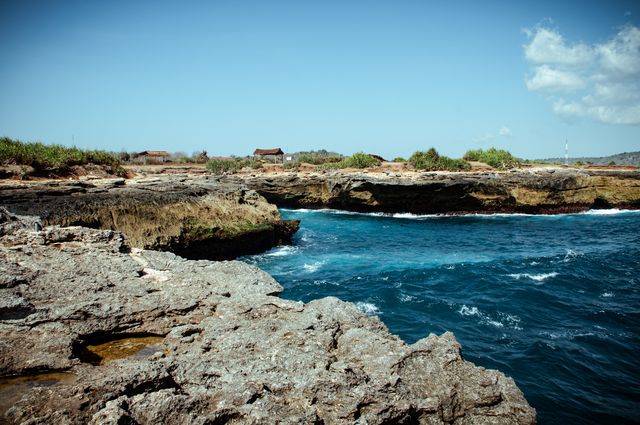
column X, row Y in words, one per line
column 525, row 191
column 231, row 350
column 197, row 218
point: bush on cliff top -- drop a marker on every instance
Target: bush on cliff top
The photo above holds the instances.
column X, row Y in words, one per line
column 357, row 160
column 497, row 158
column 53, row 157
column 318, row 158
column 230, row 166
column 431, row 160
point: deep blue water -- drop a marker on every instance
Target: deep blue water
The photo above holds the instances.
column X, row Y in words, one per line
column 552, row 301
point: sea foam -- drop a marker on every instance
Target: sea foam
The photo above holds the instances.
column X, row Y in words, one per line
column 281, row 251
column 369, row 309
column 313, row 267
column 537, row 277
column 609, row 212
column 510, row 320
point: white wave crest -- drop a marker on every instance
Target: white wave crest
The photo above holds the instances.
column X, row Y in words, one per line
column 405, row 298
column 469, row 311
column 503, row 320
column 537, row 277
column 608, row 212
column 313, row 267
column 412, row 216
column 607, row 295
column 570, row 255
column 369, row 309
column 281, row 251
column 325, row 282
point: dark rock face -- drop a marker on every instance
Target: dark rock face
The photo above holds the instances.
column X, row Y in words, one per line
column 225, row 348
column 537, row 192
column 197, row 218
column 245, row 243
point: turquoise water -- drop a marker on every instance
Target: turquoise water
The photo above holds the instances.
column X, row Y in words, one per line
column 552, row 301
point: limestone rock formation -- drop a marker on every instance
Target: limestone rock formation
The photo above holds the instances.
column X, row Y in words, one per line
column 226, row 350
column 524, row 191
column 194, row 217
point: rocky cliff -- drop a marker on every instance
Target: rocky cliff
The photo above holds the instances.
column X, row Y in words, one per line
column 194, row 217
column 525, row 191
column 106, row 334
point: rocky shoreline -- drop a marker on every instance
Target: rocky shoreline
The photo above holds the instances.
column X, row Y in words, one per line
column 212, row 343
column 99, row 327
column 195, row 217
column 533, row 191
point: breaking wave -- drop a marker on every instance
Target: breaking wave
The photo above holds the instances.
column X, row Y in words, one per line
column 537, row 277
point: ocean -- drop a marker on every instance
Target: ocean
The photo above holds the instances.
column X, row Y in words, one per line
column 552, row 301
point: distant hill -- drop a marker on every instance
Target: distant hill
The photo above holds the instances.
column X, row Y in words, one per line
column 625, row 158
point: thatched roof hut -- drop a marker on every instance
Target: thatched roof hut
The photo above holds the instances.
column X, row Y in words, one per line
column 274, row 154
column 265, row 152
column 159, row 156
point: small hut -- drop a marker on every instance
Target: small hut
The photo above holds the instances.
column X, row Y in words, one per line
column 271, row 154
column 153, row 156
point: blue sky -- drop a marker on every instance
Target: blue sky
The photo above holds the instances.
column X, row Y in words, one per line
column 387, row 77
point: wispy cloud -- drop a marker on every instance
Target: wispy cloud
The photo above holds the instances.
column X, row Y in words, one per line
column 504, row 131
column 599, row 81
column 484, row 138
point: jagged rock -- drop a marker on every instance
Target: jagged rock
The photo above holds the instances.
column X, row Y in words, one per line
column 526, row 191
column 196, row 218
column 230, row 350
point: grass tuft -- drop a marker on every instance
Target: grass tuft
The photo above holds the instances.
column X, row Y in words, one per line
column 497, row 158
column 431, row 160
column 54, row 158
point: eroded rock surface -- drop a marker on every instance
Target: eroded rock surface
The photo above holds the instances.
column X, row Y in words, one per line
column 525, row 191
column 232, row 351
column 195, row 217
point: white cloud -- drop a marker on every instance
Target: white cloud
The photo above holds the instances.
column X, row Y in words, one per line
column 547, row 46
column 611, row 114
column 621, row 55
column 554, row 80
column 505, row 132
column 485, row 138
column 599, row 81
column 568, row 110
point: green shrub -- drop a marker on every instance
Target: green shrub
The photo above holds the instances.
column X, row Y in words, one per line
column 221, row 166
column 431, row 160
column 399, row 159
column 318, row 158
column 357, row 160
column 612, row 163
column 360, row 160
column 54, row 157
column 496, row 158
column 332, row 166
column 473, row 155
column 250, row 163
